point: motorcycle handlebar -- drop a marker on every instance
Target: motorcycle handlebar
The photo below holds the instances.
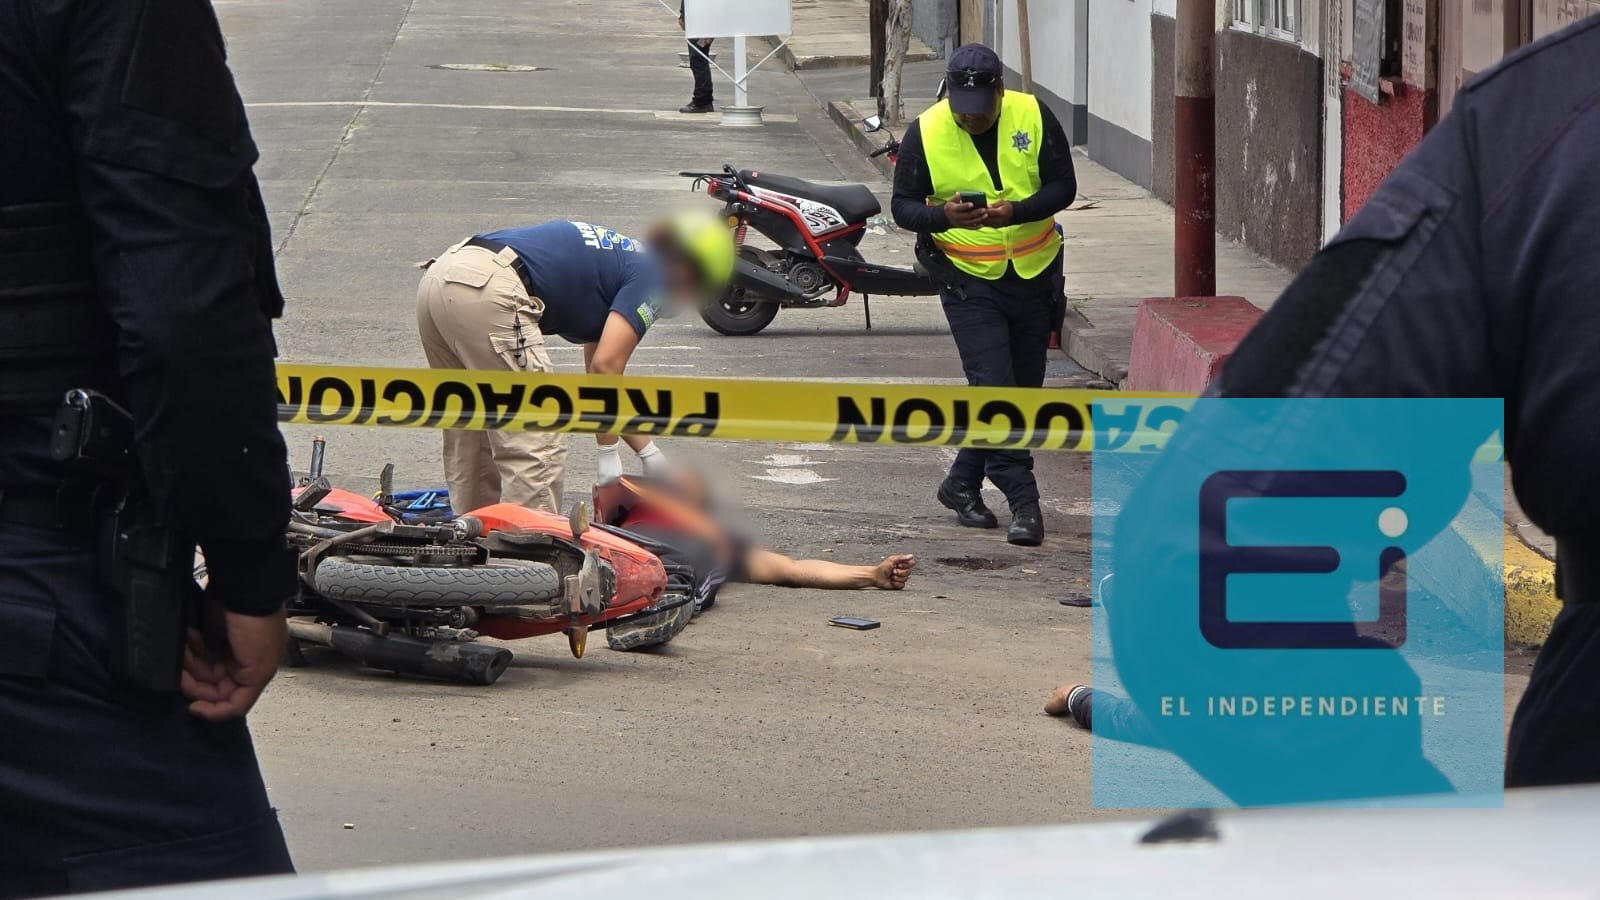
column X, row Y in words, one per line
column 881, row 151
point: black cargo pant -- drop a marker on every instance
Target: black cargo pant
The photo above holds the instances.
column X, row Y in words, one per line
column 701, row 67
column 103, row 787
column 1002, row 330
column 1555, row 734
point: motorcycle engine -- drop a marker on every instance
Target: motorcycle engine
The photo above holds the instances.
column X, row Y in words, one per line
column 809, row 278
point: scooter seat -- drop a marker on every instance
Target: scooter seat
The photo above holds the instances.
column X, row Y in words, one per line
column 853, row 201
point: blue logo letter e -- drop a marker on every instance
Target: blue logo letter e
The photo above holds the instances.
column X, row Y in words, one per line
column 1219, row 559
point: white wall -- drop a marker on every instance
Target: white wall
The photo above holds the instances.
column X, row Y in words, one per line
column 1335, row 18
column 1119, row 62
column 1059, row 45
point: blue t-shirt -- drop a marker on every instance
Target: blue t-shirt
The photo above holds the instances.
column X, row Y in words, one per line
column 586, row 272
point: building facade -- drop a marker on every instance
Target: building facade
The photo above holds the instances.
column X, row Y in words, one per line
column 1317, row 100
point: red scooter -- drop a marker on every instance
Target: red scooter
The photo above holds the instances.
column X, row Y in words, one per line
column 817, row 229
column 412, row 596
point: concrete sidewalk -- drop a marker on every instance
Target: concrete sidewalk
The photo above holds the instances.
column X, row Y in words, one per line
column 830, row 34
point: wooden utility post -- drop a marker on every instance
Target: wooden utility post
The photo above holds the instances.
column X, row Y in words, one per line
column 898, row 44
column 878, row 26
column 1025, row 38
column 1195, row 151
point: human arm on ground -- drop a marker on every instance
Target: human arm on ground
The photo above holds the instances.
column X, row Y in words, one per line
column 767, row 567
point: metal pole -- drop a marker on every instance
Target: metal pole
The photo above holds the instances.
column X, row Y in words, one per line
column 741, row 74
column 741, row 114
column 1195, row 150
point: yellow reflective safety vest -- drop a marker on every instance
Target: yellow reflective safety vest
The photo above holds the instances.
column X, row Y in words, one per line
column 955, row 166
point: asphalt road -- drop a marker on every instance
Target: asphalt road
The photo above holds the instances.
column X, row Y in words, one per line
column 381, row 146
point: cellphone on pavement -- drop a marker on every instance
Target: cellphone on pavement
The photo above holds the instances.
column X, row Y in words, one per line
column 853, row 623
column 978, row 199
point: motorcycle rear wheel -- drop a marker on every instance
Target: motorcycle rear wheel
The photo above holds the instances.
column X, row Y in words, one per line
column 487, row 586
column 736, row 316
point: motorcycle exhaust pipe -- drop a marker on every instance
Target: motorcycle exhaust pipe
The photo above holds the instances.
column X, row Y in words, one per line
column 445, row 660
column 753, row 276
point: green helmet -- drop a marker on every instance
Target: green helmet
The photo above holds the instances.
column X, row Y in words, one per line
column 707, row 242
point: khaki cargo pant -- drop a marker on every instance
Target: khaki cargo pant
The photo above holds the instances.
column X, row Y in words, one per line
column 473, row 312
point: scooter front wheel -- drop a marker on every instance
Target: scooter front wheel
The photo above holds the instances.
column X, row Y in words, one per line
column 738, row 314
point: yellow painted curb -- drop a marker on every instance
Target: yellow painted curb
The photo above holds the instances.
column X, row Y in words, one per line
column 1531, row 603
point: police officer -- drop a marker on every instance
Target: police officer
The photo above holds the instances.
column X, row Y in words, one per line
column 136, row 266
column 1471, row 273
column 488, row 302
column 1000, row 260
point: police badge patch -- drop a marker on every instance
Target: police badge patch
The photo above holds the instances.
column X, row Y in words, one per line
column 1022, row 141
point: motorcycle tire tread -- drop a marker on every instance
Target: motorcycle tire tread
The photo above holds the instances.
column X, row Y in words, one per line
column 652, row 631
column 484, row 586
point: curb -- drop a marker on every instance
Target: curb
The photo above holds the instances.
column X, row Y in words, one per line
column 1531, row 603
column 1084, row 345
column 848, row 118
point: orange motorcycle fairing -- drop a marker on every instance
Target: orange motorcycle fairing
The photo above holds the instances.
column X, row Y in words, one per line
column 349, row 506
column 641, row 579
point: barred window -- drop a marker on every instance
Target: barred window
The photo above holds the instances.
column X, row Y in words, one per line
column 1274, row 18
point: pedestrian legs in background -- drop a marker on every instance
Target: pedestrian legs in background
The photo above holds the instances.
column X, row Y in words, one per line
column 704, row 99
column 1002, row 330
column 104, row 787
column 473, row 312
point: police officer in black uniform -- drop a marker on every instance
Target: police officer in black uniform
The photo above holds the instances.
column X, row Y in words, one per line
column 136, row 271
column 1000, row 261
column 1472, row 272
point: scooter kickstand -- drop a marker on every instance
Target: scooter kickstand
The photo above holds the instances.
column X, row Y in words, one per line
column 866, row 307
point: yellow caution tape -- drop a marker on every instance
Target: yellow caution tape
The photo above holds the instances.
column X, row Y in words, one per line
column 749, row 410
column 802, row 411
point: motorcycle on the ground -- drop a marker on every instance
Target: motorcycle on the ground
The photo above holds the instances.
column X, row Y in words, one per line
column 817, row 229
column 411, row 593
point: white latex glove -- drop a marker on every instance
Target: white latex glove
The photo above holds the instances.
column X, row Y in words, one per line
column 655, row 462
column 610, row 463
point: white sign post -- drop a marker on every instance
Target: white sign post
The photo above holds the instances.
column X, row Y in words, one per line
column 740, row 20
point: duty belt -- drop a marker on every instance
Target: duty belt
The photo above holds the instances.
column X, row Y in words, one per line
column 71, row 508
column 517, row 264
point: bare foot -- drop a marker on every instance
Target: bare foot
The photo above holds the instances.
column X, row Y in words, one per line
column 893, row 573
column 1057, row 704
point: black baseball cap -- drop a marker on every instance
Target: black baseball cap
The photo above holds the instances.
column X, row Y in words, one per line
column 974, row 71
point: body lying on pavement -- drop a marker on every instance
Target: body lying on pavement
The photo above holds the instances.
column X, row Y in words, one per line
column 676, row 511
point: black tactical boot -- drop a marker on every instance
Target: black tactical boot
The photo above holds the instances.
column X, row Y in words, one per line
column 967, row 502
column 1027, row 526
